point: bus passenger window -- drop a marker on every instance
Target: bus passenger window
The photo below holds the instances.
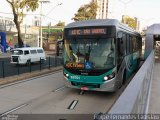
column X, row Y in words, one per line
column 121, row 47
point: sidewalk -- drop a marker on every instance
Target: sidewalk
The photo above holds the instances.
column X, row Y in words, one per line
column 154, row 106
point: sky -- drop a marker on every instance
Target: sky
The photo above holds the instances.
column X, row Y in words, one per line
column 147, row 11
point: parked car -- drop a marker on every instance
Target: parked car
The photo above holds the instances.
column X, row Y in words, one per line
column 27, row 55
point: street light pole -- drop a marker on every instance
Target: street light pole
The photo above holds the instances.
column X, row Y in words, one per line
column 41, row 39
column 53, row 8
column 40, row 26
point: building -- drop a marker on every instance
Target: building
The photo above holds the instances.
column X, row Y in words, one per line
column 6, row 24
column 7, row 27
column 102, row 11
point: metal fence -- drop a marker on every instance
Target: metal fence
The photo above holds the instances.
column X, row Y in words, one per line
column 7, row 69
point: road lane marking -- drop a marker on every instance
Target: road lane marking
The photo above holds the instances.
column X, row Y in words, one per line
column 73, row 104
column 58, row 89
column 81, row 92
column 12, row 110
column 29, row 79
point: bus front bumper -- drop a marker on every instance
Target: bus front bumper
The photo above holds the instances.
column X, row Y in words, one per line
column 109, row 86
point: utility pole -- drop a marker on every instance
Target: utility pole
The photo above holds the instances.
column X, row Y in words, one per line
column 41, row 39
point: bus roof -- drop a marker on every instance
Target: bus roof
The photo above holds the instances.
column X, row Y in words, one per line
column 100, row 22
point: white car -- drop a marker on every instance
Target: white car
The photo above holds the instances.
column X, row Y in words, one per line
column 27, row 55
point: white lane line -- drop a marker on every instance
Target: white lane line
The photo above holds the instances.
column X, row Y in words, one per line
column 58, row 89
column 73, row 104
column 12, row 110
column 29, row 79
column 82, row 92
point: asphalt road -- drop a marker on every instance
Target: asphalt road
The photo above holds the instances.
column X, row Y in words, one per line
column 18, row 93
column 8, row 69
column 47, row 97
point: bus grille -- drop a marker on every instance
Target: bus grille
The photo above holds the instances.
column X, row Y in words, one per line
column 14, row 58
column 92, row 85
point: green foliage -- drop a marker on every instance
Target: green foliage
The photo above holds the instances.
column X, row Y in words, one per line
column 129, row 21
column 29, row 4
column 18, row 8
column 60, row 24
column 86, row 12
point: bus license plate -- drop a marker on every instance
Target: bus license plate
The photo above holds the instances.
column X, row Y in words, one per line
column 84, row 88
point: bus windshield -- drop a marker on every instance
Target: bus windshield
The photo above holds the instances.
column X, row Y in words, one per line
column 90, row 54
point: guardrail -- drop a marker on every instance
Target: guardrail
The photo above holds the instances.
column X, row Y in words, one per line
column 135, row 98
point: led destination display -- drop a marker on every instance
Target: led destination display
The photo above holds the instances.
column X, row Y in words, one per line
column 91, row 31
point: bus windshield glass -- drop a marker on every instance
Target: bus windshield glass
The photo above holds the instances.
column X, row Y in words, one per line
column 90, row 54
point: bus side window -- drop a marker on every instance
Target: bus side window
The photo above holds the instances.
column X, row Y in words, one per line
column 122, row 46
column 124, row 38
column 131, row 44
column 127, row 45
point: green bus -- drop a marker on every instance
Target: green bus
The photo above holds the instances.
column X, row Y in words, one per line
column 100, row 54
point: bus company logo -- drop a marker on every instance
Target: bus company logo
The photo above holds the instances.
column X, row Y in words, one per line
column 75, row 65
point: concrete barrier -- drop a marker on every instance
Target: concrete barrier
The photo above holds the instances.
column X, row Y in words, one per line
column 135, row 98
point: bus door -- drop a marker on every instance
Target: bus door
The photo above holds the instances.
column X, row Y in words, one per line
column 121, row 51
column 130, row 54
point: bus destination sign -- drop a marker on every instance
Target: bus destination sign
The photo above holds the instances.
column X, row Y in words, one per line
column 91, row 31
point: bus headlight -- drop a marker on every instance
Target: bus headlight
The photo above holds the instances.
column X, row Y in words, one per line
column 66, row 75
column 105, row 78
column 108, row 77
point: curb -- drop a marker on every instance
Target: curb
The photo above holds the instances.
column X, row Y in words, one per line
column 15, row 78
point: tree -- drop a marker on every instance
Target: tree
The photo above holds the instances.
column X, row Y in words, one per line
column 61, row 24
column 131, row 22
column 18, row 8
column 86, row 12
